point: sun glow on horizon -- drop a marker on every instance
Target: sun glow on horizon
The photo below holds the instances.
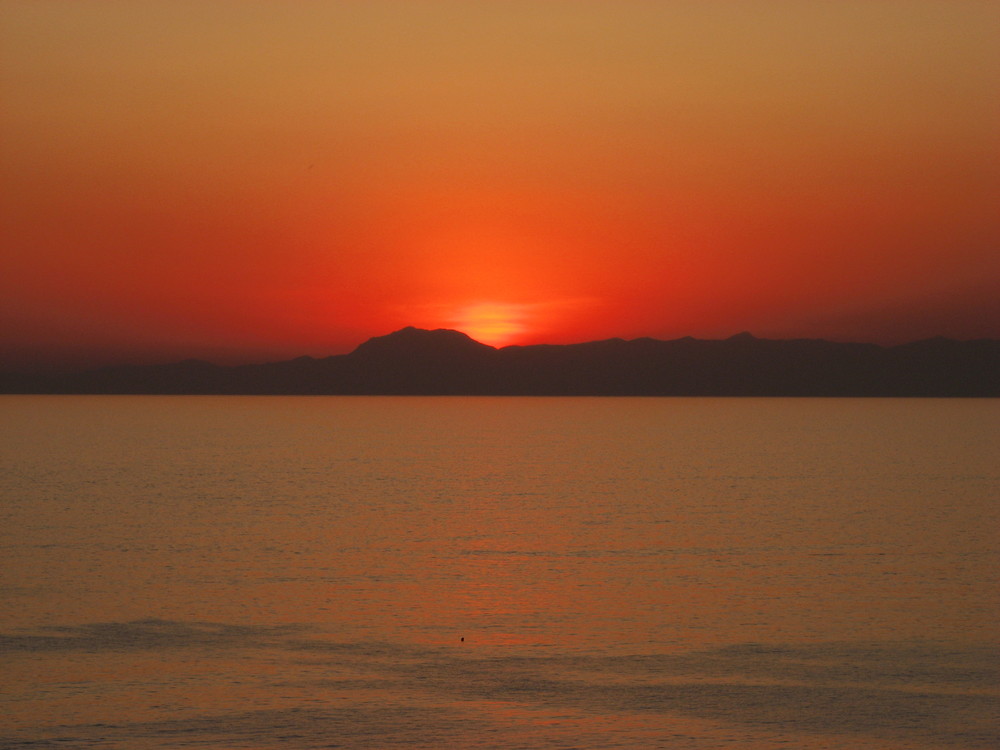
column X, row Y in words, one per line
column 493, row 323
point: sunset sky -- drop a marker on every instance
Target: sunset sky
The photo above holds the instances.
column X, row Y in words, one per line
column 249, row 180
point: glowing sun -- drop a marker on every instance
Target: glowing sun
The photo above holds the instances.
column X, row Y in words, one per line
column 492, row 323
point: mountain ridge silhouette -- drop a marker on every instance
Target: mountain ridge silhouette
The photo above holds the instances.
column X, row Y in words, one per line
column 414, row 361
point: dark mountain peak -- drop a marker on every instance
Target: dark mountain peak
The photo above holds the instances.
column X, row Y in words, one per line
column 935, row 342
column 448, row 362
column 410, row 341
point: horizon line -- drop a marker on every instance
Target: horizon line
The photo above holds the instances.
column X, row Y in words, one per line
column 741, row 335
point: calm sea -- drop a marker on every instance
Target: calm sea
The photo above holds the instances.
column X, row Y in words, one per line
column 499, row 573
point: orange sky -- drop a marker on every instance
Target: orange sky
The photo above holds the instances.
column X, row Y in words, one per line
column 247, row 180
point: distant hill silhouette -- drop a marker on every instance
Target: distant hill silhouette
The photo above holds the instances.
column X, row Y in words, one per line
column 444, row 362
